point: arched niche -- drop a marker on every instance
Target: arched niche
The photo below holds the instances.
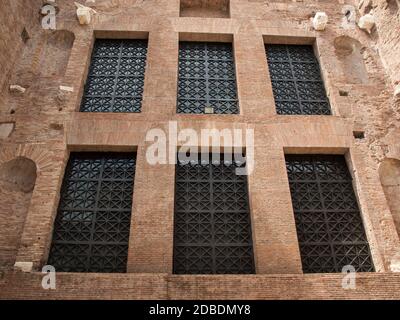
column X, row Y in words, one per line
column 55, row 55
column 46, row 55
column 389, row 172
column 349, row 53
column 393, row 6
column 17, row 181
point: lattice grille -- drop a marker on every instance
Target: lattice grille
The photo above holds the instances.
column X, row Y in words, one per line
column 296, row 80
column 206, row 78
column 212, row 222
column 116, row 76
column 91, row 230
column 329, row 226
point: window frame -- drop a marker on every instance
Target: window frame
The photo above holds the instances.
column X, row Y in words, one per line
column 123, row 36
column 208, row 41
column 326, row 211
column 103, row 176
column 299, row 94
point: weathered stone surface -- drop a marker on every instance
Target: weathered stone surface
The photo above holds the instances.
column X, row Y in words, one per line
column 23, row 266
column 66, row 88
column 397, row 91
column 84, row 13
column 395, row 265
column 6, row 129
column 367, row 22
column 320, row 21
column 387, row 26
column 17, row 89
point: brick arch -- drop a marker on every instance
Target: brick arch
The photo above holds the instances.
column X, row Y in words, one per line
column 39, row 155
column 389, row 173
column 19, row 171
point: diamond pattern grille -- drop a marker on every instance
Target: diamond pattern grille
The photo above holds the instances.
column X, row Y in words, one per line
column 206, row 78
column 296, row 80
column 91, row 230
column 329, row 226
column 116, row 76
column 212, row 223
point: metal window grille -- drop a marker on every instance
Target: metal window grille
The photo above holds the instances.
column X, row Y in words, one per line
column 329, row 226
column 116, row 76
column 91, row 229
column 207, row 80
column 212, row 221
column 296, row 80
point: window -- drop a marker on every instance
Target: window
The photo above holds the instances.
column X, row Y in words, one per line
column 296, row 80
column 212, row 222
column 329, row 226
column 91, row 230
column 116, row 76
column 207, row 80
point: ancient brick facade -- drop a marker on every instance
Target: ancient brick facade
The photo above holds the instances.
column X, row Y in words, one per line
column 43, row 125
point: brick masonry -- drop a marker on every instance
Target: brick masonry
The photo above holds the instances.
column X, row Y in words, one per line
column 48, row 127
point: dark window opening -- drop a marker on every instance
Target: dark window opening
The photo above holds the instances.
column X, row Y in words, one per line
column 296, row 80
column 116, row 77
column 212, row 233
column 207, row 78
column 329, row 226
column 91, row 230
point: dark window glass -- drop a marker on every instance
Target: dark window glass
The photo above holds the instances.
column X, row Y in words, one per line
column 116, row 76
column 207, row 80
column 212, row 232
column 91, row 230
column 296, row 80
column 328, row 221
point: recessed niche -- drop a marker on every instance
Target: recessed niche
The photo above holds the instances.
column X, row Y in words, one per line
column 349, row 53
column 19, row 174
column 389, row 172
column 46, row 55
column 17, row 181
column 25, row 35
column 205, row 8
column 55, row 54
column 359, row 134
column 392, row 6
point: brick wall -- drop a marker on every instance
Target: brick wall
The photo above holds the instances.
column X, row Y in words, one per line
column 15, row 16
column 387, row 15
column 48, row 127
column 163, row 286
